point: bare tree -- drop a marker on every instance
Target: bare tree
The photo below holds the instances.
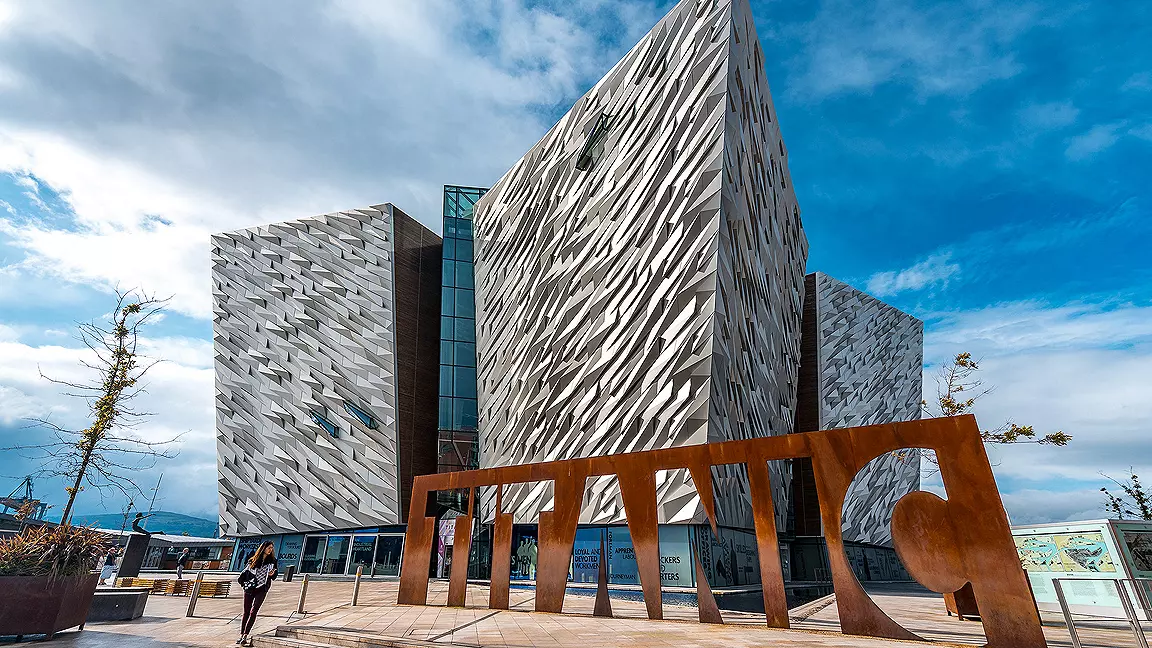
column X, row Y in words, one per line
column 958, row 389
column 105, row 454
column 1132, row 502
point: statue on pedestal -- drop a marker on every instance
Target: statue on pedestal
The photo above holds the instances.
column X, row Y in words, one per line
column 137, row 528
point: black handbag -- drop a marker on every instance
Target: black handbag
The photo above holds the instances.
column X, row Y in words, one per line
column 247, row 579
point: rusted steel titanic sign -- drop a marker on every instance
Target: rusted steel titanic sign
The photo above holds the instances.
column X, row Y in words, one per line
column 943, row 543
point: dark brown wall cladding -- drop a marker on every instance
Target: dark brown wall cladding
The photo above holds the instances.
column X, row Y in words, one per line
column 805, row 505
column 807, row 386
column 418, row 262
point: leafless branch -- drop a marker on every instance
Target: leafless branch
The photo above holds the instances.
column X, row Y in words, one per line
column 97, row 457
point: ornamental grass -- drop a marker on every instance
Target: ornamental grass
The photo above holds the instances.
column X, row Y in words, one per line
column 52, row 551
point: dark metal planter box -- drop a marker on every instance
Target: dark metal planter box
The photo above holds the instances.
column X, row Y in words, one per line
column 37, row 605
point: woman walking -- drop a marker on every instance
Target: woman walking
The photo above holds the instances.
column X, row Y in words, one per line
column 256, row 579
column 109, row 567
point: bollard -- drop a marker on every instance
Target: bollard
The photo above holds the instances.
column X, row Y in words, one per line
column 303, row 594
column 195, row 593
column 356, row 585
column 289, row 572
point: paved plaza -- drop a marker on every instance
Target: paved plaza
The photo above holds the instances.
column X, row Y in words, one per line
column 331, row 620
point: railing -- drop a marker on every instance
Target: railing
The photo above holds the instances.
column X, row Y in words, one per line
column 1139, row 586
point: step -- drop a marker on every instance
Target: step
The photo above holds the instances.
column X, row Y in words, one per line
column 802, row 612
column 310, row 636
column 272, row 641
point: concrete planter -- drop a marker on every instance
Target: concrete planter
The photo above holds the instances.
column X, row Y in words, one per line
column 39, row 605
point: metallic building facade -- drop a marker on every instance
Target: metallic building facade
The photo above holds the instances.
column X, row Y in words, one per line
column 862, row 365
column 325, row 401
column 634, row 282
column 639, row 272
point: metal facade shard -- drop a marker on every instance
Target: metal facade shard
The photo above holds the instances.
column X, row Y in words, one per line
column 317, row 385
column 861, row 365
column 639, row 273
column 944, row 543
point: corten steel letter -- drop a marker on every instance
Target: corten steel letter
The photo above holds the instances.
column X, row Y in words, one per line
column 943, row 543
column 701, row 471
column 834, row 469
column 764, row 518
column 603, row 605
column 461, row 548
column 557, row 532
column 501, row 554
column 967, row 539
column 706, row 606
column 417, row 547
column 638, row 491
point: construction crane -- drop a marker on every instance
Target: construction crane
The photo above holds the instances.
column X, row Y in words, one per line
column 38, row 508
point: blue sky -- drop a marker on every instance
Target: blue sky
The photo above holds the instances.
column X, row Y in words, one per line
column 984, row 166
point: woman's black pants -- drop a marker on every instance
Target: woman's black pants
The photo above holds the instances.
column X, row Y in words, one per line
column 253, row 599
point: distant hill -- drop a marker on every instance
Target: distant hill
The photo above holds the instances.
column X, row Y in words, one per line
column 170, row 523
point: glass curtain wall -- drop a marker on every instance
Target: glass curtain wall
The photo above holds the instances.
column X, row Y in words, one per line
column 458, row 441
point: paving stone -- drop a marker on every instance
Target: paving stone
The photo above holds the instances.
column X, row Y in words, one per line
column 217, row 622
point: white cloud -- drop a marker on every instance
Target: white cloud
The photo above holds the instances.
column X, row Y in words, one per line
column 8, row 334
column 1045, row 116
column 216, row 118
column 1038, row 506
column 7, row 12
column 167, row 260
column 1096, row 139
column 947, row 49
column 1139, row 82
column 1143, row 132
column 936, row 269
column 193, row 353
column 178, row 392
column 1081, row 368
column 1028, row 326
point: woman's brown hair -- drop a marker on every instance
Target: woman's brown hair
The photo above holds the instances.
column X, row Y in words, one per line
column 253, row 562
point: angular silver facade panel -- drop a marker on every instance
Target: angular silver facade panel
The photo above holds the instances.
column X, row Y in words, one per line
column 639, row 271
column 760, row 278
column 870, row 359
column 305, row 323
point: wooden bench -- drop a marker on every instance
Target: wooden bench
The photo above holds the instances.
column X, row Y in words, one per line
column 177, row 587
column 215, row 588
column 172, row 587
column 154, row 585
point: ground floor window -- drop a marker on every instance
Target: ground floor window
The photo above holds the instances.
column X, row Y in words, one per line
column 313, row 555
column 524, row 552
column 378, row 554
column 728, row 558
column 386, row 561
